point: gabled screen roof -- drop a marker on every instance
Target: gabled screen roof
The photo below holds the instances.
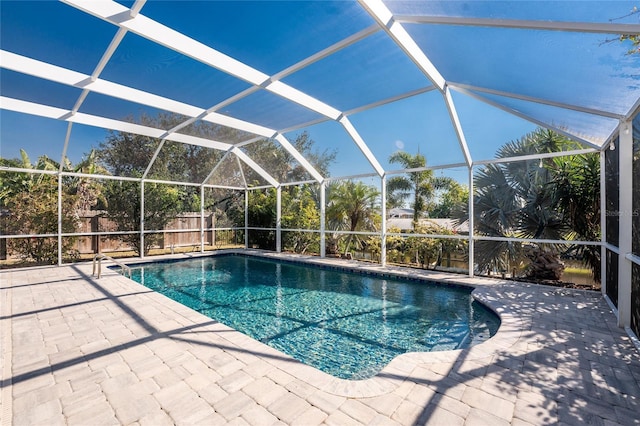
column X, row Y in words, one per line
column 451, row 80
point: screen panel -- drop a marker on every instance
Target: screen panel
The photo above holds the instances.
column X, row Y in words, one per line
column 268, row 36
column 369, row 71
column 591, row 128
column 573, row 68
column 156, row 69
column 583, row 11
column 420, row 124
column 42, row 30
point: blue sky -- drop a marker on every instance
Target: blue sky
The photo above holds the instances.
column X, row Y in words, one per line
column 270, row 36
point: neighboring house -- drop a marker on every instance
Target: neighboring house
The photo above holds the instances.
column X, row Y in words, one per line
column 400, row 214
column 403, row 219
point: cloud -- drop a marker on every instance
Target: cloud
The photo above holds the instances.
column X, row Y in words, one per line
column 399, row 144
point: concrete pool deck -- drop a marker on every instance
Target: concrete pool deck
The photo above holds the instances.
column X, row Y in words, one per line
column 85, row 351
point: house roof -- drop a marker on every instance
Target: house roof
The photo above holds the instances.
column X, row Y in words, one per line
column 406, row 224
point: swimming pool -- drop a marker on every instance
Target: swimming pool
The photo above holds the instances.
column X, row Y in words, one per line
column 346, row 324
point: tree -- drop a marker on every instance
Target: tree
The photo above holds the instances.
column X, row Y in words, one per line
column 30, row 204
column 453, row 198
column 300, row 211
column 352, row 206
column 130, row 155
column 161, row 205
column 576, row 193
column 422, row 185
column 300, row 207
column 633, row 38
column 36, row 212
column 532, row 199
column 262, row 214
column 282, row 166
column 419, row 183
column 126, row 154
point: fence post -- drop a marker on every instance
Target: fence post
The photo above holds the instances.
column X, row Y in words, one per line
column 95, row 240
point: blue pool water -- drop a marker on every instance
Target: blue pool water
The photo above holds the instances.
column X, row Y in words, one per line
column 346, row 324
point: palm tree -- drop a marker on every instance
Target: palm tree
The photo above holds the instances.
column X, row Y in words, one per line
column 422, row 184
column 13, row 183
column 534, row 199
column 352, row 206
column 576, row 192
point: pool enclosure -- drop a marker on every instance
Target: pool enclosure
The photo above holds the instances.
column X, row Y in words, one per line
column 219, row 114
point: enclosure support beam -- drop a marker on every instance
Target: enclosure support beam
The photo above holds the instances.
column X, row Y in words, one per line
column 141, row 218
column 323, row 211
column 383, row 226
column 246, row 219
column 625, row 217
column 202, row 224
column 379, row 11
column 364, row 148
column 603, row 226
column 279, row 219
column 59, row 219
column 299, row 157
column 471, row 224
column 455, row 121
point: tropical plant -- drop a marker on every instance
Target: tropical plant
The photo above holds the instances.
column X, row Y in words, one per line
column 536, row 200
column 13, row 183
column 301, row 206
column 36, row 212
column 420, row 184
column 575, row 190
column 262, row 214
column 29, row 201
column 300, row 211
column 137, row 156
column 88, row 191
column 453, row 197
column 352, row 206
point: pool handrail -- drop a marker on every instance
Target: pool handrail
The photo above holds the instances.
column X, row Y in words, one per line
column 99, row 257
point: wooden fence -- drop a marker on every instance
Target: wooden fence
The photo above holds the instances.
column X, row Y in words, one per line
column 94, row 222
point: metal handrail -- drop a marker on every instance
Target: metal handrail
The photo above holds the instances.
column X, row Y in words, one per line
column 98, row 257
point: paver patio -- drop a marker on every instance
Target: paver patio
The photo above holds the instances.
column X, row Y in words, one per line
column 86, row 351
